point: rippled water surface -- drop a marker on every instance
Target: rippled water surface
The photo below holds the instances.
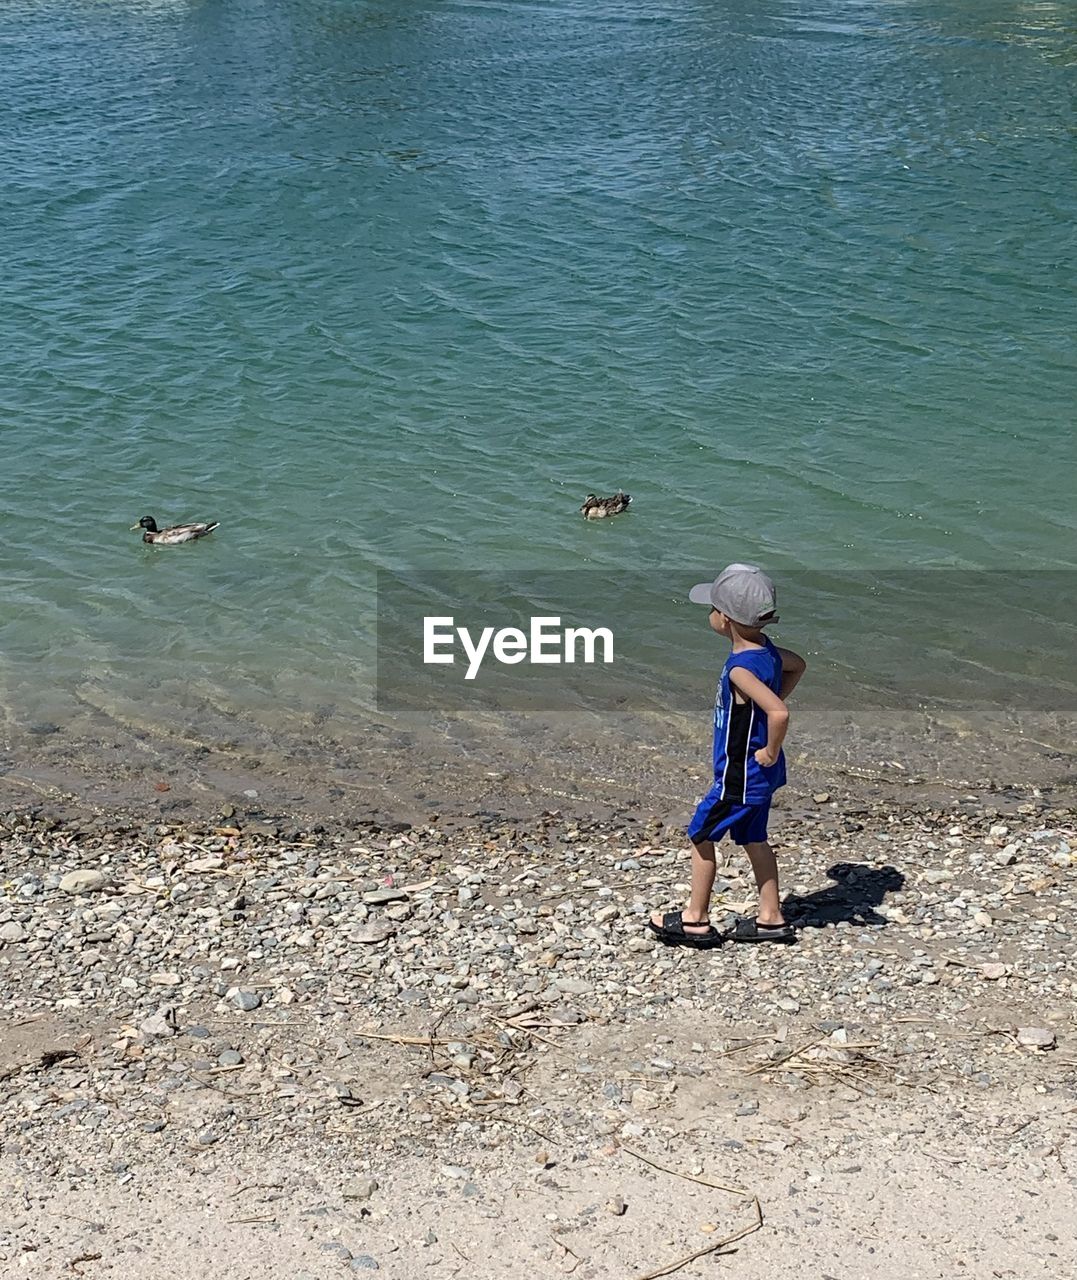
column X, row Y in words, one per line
column 393, row 286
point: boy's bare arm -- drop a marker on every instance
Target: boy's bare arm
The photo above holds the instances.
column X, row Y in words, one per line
column 771, row 705
column 793, row 667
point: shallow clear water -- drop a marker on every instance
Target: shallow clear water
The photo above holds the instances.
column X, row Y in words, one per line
column 394, row 286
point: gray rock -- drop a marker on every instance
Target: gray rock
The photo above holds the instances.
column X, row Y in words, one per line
column 376, row 931
column 379, row 897
column 161, row 1023
column 1036, row 1037
column 12, row 932
column 246, row 1000
column 230, row 1058
column 207, row 1137
column 359, row 1188
column 363, row 1262
column 574, row 986
column 205, row 864
column 83, row 881
column 645, row 1099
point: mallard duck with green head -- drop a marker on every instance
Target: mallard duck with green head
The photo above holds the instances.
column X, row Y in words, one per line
column 175, row 534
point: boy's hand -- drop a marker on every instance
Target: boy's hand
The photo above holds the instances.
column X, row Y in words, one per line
column 766, row 757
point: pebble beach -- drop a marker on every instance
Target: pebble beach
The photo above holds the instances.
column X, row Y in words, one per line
column 256, row 1049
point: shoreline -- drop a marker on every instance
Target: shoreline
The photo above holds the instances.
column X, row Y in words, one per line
column 410, row 770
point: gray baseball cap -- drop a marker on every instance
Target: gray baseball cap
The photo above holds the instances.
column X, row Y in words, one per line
column 742, row 592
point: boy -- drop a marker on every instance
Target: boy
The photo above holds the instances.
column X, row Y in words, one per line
column 750, row 723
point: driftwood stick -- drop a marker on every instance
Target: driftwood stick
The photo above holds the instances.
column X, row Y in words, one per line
column 688, row 1177
column 747, row 1230
column 425, row 1041
column 750, row 1229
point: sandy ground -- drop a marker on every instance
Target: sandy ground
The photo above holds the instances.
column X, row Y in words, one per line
column 846, row 1189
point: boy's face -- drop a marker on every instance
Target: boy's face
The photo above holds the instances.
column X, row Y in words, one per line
column 719, row 622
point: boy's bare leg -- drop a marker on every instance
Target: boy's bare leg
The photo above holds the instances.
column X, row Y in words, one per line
column 699, row 900
column 765, row 866
column 695, row 914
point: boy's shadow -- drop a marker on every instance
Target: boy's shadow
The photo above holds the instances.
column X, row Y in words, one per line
column 858, row 891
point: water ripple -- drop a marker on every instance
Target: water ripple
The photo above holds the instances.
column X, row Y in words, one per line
column 380, row 288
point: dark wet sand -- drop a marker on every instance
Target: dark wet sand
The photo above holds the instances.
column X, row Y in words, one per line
column 514, row 766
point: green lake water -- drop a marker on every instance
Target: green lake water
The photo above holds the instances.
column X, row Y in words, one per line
column 392, row 286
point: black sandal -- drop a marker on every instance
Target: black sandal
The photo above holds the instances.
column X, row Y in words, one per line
column 673, row 933
column 750, row 930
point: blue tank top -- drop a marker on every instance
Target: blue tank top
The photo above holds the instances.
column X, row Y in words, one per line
column 740, row 729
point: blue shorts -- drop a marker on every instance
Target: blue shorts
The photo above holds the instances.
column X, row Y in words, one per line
column 746, row 823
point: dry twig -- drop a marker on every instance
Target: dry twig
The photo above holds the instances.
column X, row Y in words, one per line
column 425, row 1042
column 748, row 1044
column 575, row 1256
column 747, row 1230
column 780, row 1062
column 528, row 1031
column 258, row 1186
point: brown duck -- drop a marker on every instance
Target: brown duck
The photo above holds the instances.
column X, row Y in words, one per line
column 599, row 508
column 176, row 534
